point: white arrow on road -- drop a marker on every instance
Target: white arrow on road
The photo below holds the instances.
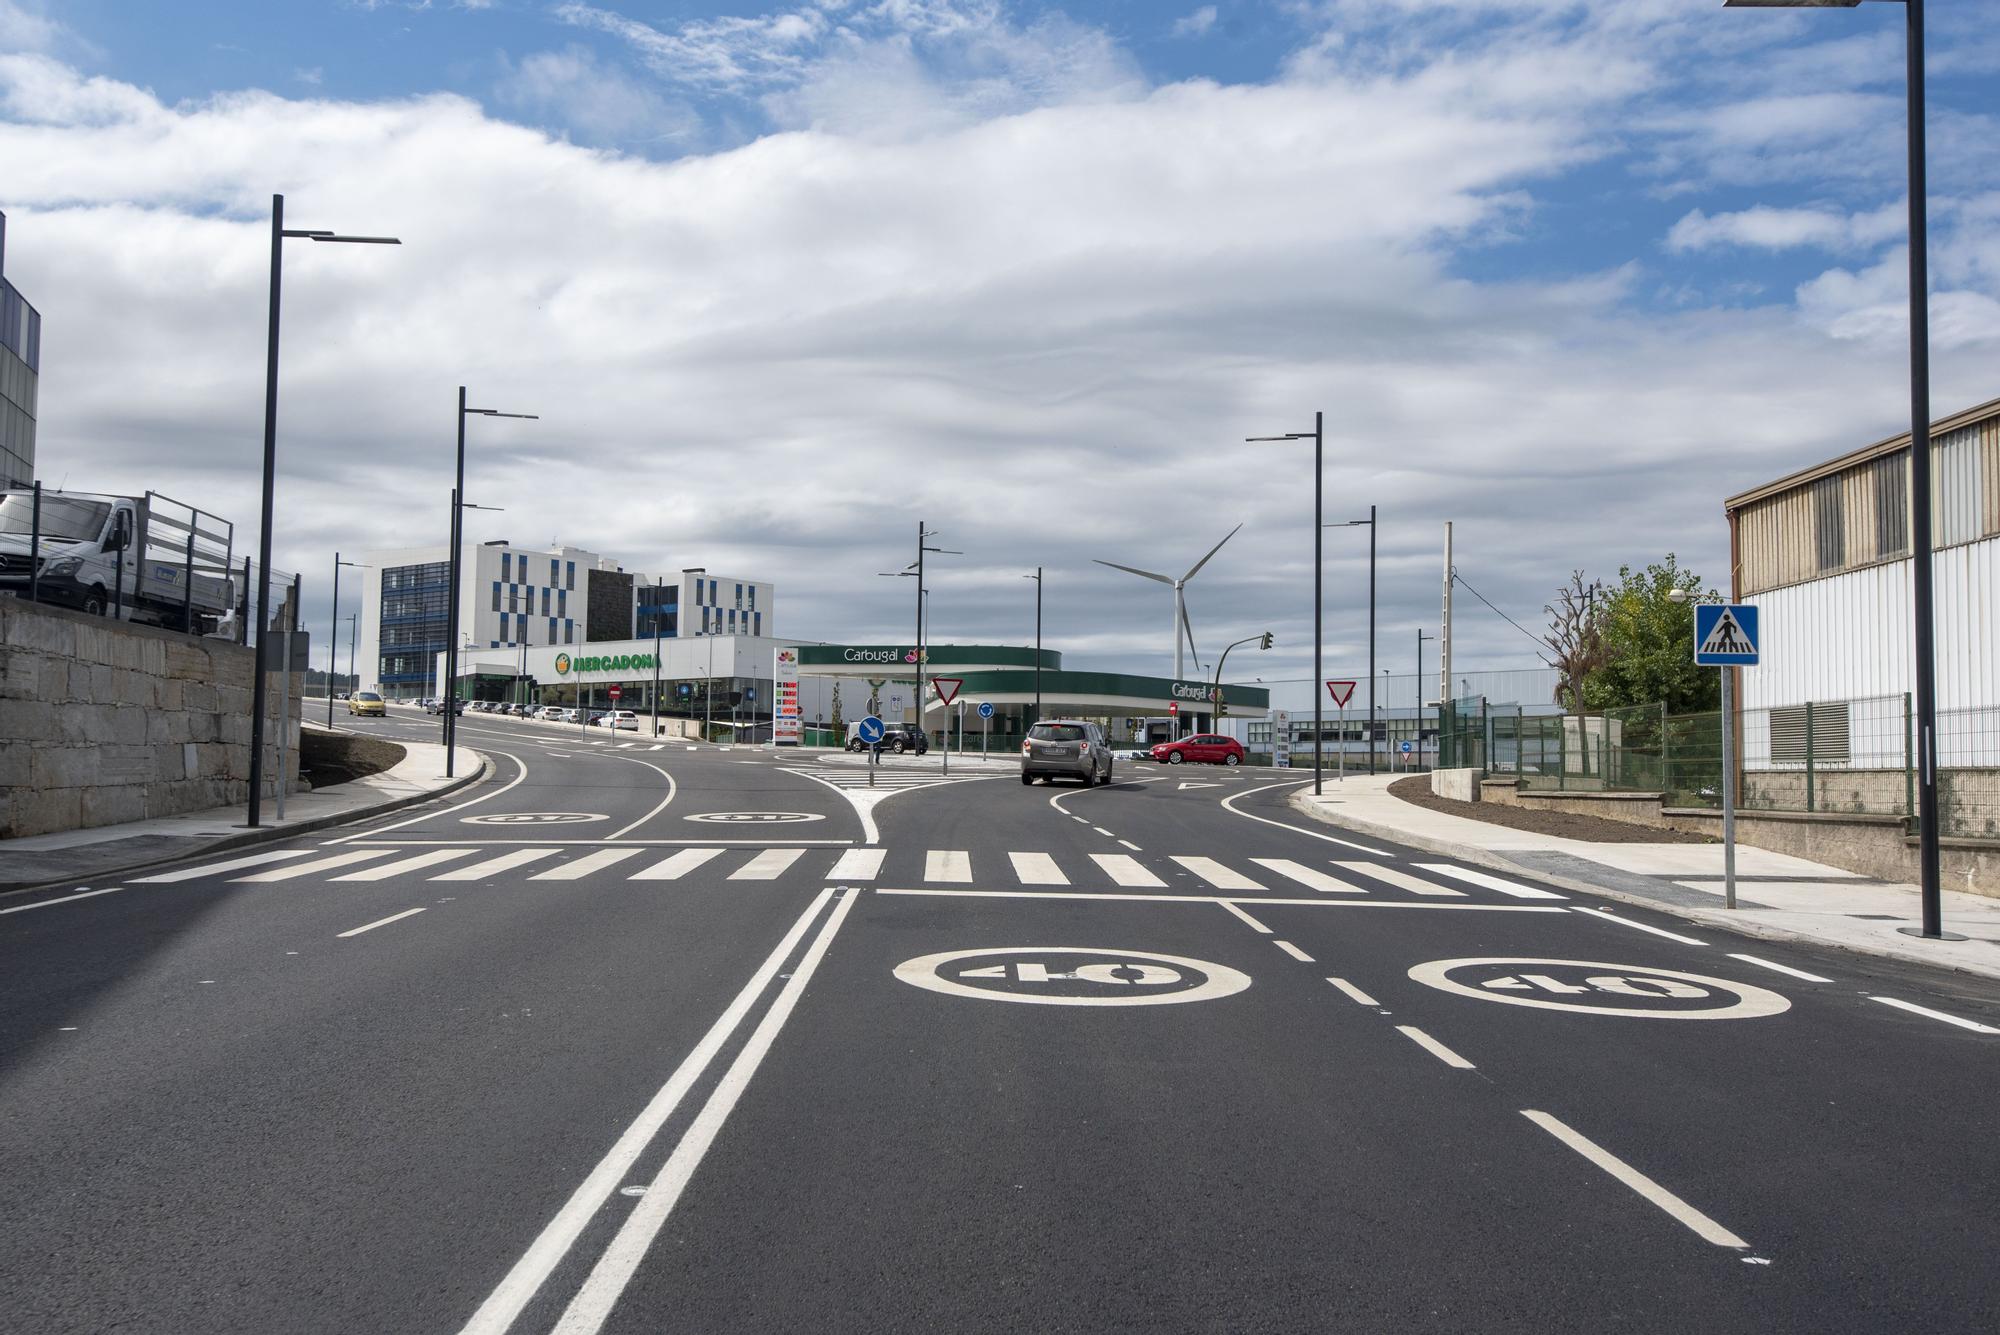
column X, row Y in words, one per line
column 1184, row 787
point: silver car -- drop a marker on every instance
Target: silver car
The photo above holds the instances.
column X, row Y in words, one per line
column 1066, row 749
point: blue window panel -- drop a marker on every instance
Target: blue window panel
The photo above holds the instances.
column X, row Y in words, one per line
column 569, row 581
column 552, row 630
column 496, row 595
column 758, row 619
column 739, row 595
column 555, row 571
column 506, row 567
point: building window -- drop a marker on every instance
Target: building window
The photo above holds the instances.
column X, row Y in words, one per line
column 503, row 625
column 711, row 592
column 757, row 620
column 569, row 581
column 753, row 597
column 1892, row 506
column 739, row 595
column 545, row 602
column 496, row 595
column 1829, row 523
column 562, row 602
column 569, row 632
column 552, row 630
column 506, row 567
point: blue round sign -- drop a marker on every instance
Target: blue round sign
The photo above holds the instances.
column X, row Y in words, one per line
column 986, row 709
column 1407, row 747
column 870, row 730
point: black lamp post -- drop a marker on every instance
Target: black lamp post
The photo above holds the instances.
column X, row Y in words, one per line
column 333, row 633
column 451, row 597
column 1037, row 577
column 1318, row 437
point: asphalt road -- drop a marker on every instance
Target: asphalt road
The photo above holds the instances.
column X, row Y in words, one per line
column 632, row 1036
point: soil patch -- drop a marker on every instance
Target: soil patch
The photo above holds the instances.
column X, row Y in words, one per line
column 327, row 758
column 1561, row 824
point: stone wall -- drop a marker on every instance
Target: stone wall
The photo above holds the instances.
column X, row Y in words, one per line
column 103, row 721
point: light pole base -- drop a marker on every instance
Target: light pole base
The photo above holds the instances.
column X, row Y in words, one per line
column 1918, row 932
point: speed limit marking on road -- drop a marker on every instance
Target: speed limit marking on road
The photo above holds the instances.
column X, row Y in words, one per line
column 1601, row 989
column 753, row 817
column 1072, row 976
column 534, row 818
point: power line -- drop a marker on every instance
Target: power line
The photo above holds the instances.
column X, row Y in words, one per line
column 1460, row 579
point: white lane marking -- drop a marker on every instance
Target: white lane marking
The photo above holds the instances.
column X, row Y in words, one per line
column 863, row 807
column 1227, row 805
column 1249, row 921
column 296, row 869
column 1036, row 869
column 585, row 865
column 1306, row 876
column 1781, row 968
column 386, row 870
column 1127, row 843
column 1606, row 915
column 858, row 864
column 1504, row 886
column 1294, row 952
column 434, row 815
column 672, row 788
column 1402, row 880
column 1124, row 870
column 768, row 865
column 677, row 866
column 1930, row 1014
column 1435, row 1048
column 947, row 865
column 588, row 1311
column 561, row 1232
column 479, row 871
column 66, row 899
column 1217, row 875
column 1472, row 907
column 379, row 922
column 215, row 868
column 1354, row 993
column 1106, row 833
column 1707, row 1229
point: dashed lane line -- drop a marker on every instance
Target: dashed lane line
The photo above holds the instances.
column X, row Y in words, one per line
column 379, row 922
column 1930, row 1014
column 1435, row 1048
column 1676, row 1208
column 1606, row 915
column 1354, row 993
column 1775, row 967
column 1248, row 921
column 1294, row 952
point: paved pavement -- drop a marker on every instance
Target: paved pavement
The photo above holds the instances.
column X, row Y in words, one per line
column 623, row 1039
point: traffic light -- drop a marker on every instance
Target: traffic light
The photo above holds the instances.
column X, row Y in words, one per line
column 1267, row 641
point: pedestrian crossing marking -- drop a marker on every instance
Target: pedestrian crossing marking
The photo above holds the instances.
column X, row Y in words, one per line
column 479, row 871
column 768, row 865
column 1217, row 875
column 1505, row 887
column 215, row 868
column 294, row 870
column 581, row 867
column 677, row 866
column 1037, row 869
column 947, row 865
column 382, row 871
column 858, row 864
column 1306, row 876
column 1402, row 880
column 1124, row 869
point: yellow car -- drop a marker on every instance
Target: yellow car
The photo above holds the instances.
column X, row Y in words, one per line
column 367, row 704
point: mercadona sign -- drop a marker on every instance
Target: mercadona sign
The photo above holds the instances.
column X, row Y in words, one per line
column 603, row 663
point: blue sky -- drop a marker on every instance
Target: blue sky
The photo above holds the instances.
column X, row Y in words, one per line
column 1551, row 267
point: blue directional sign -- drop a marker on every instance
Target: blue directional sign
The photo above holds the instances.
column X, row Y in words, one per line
column 1725, row 634
column 870, row 730
column 986, row 709
column 749, row 692
column 1407, row 747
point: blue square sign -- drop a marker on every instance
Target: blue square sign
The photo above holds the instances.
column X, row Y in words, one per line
column 1725, row 634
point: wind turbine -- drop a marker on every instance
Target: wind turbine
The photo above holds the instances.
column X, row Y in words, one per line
column 1180, row 594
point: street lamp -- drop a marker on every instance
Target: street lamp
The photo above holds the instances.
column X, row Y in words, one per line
column 1318, row 437
column 916, row 568
column 1356, row 523
column 333, row 633
column 1262, row 641
column 1421, row 637
column 279, row 235
column 1922, row 603
column 1037, row 577
column 451, row 628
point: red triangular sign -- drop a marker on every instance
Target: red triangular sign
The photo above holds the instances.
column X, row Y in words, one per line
column 947, row 688
column 1341, row 691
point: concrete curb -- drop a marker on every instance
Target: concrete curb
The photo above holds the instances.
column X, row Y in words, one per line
column 266, row 834
column 1717, row 918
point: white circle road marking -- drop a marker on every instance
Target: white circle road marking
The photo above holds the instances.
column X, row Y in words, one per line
column 1667, row 986
column 1103, row 978
column 754, row 817
column 534, row 818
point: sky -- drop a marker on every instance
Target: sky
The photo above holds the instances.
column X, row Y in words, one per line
column 784, row 279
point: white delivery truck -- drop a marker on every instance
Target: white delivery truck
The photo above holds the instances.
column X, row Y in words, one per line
column 139, row 558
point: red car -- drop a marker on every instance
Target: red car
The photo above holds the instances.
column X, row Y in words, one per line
column 1207, row 748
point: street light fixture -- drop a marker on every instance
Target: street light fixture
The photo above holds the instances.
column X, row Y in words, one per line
column 333, row 633
column 1263, row 641
column 1922, row 601
column 451, row 597
column 1037, row 577
column 1318, row 437
column 279, row 235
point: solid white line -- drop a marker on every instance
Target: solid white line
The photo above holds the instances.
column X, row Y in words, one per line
column 1306, row 876
column 1354, row 993
column 1235, row 899
column 1929, row 1014
column 1036, row 869
column 497, row 1313
column 1253, row 924
column 942, row 864
column 66, row 899
column 214, row 868
column 1605, row 915
column 1217, row 875
column 672, row 788
column 387, row 870
column 588, row 1311
column 1402, row 880
column 858, row 864
column 433, row 815
column 585, row 865
column 379, row 922
column 768, row 865
column 1706, row 1228
column 1435, row 1048
column 677, row 866
column 1505, row 887
column 1310, row 834
column 1125, row 870
column 295, row 869
column 1781, row 968
column 479, row 871
column 1294, row 952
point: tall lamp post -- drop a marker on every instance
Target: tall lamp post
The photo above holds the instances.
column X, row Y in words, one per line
column 279, row 235
column 1262, row 641
column 1421, row 637
column 1037, row 577
column 333, row 633
column 1922, row 603
column 916, row 569
column 1356, row 523
column 1318, row 437
column 451, row 615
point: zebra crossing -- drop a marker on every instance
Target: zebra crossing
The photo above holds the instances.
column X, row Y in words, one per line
column 943, row 867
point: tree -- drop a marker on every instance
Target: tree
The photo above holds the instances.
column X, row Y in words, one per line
column 1576, row 637
column 1649, row 643
column 839, row 723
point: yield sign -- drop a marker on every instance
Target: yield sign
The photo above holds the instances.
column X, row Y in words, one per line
column 1341, row 691
column 947, row 688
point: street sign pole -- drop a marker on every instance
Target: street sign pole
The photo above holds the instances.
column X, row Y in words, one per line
column 1728, row 791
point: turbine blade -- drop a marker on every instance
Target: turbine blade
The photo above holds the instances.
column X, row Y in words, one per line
column 1211, row 552
column 1193, row 653
column 1130, row 570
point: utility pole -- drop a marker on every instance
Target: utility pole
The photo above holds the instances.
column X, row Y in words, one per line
column 1444, row 637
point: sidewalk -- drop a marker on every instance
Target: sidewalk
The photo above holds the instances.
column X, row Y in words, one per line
column 1778, row 896
column 110, row 851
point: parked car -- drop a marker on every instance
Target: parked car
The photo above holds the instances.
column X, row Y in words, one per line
column 1205, row 748
column 896, row 737
column 572, row 716
column 550, row 713
column 1066, row 749
column 622, row 719
column 366, row 704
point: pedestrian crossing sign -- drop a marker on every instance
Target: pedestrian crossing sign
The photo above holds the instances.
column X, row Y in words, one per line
column 1725, row 634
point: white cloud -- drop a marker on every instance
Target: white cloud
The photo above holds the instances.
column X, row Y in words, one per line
column 25, row 28
column 599, row 103
column 1196, row 24
column 1767, row 228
